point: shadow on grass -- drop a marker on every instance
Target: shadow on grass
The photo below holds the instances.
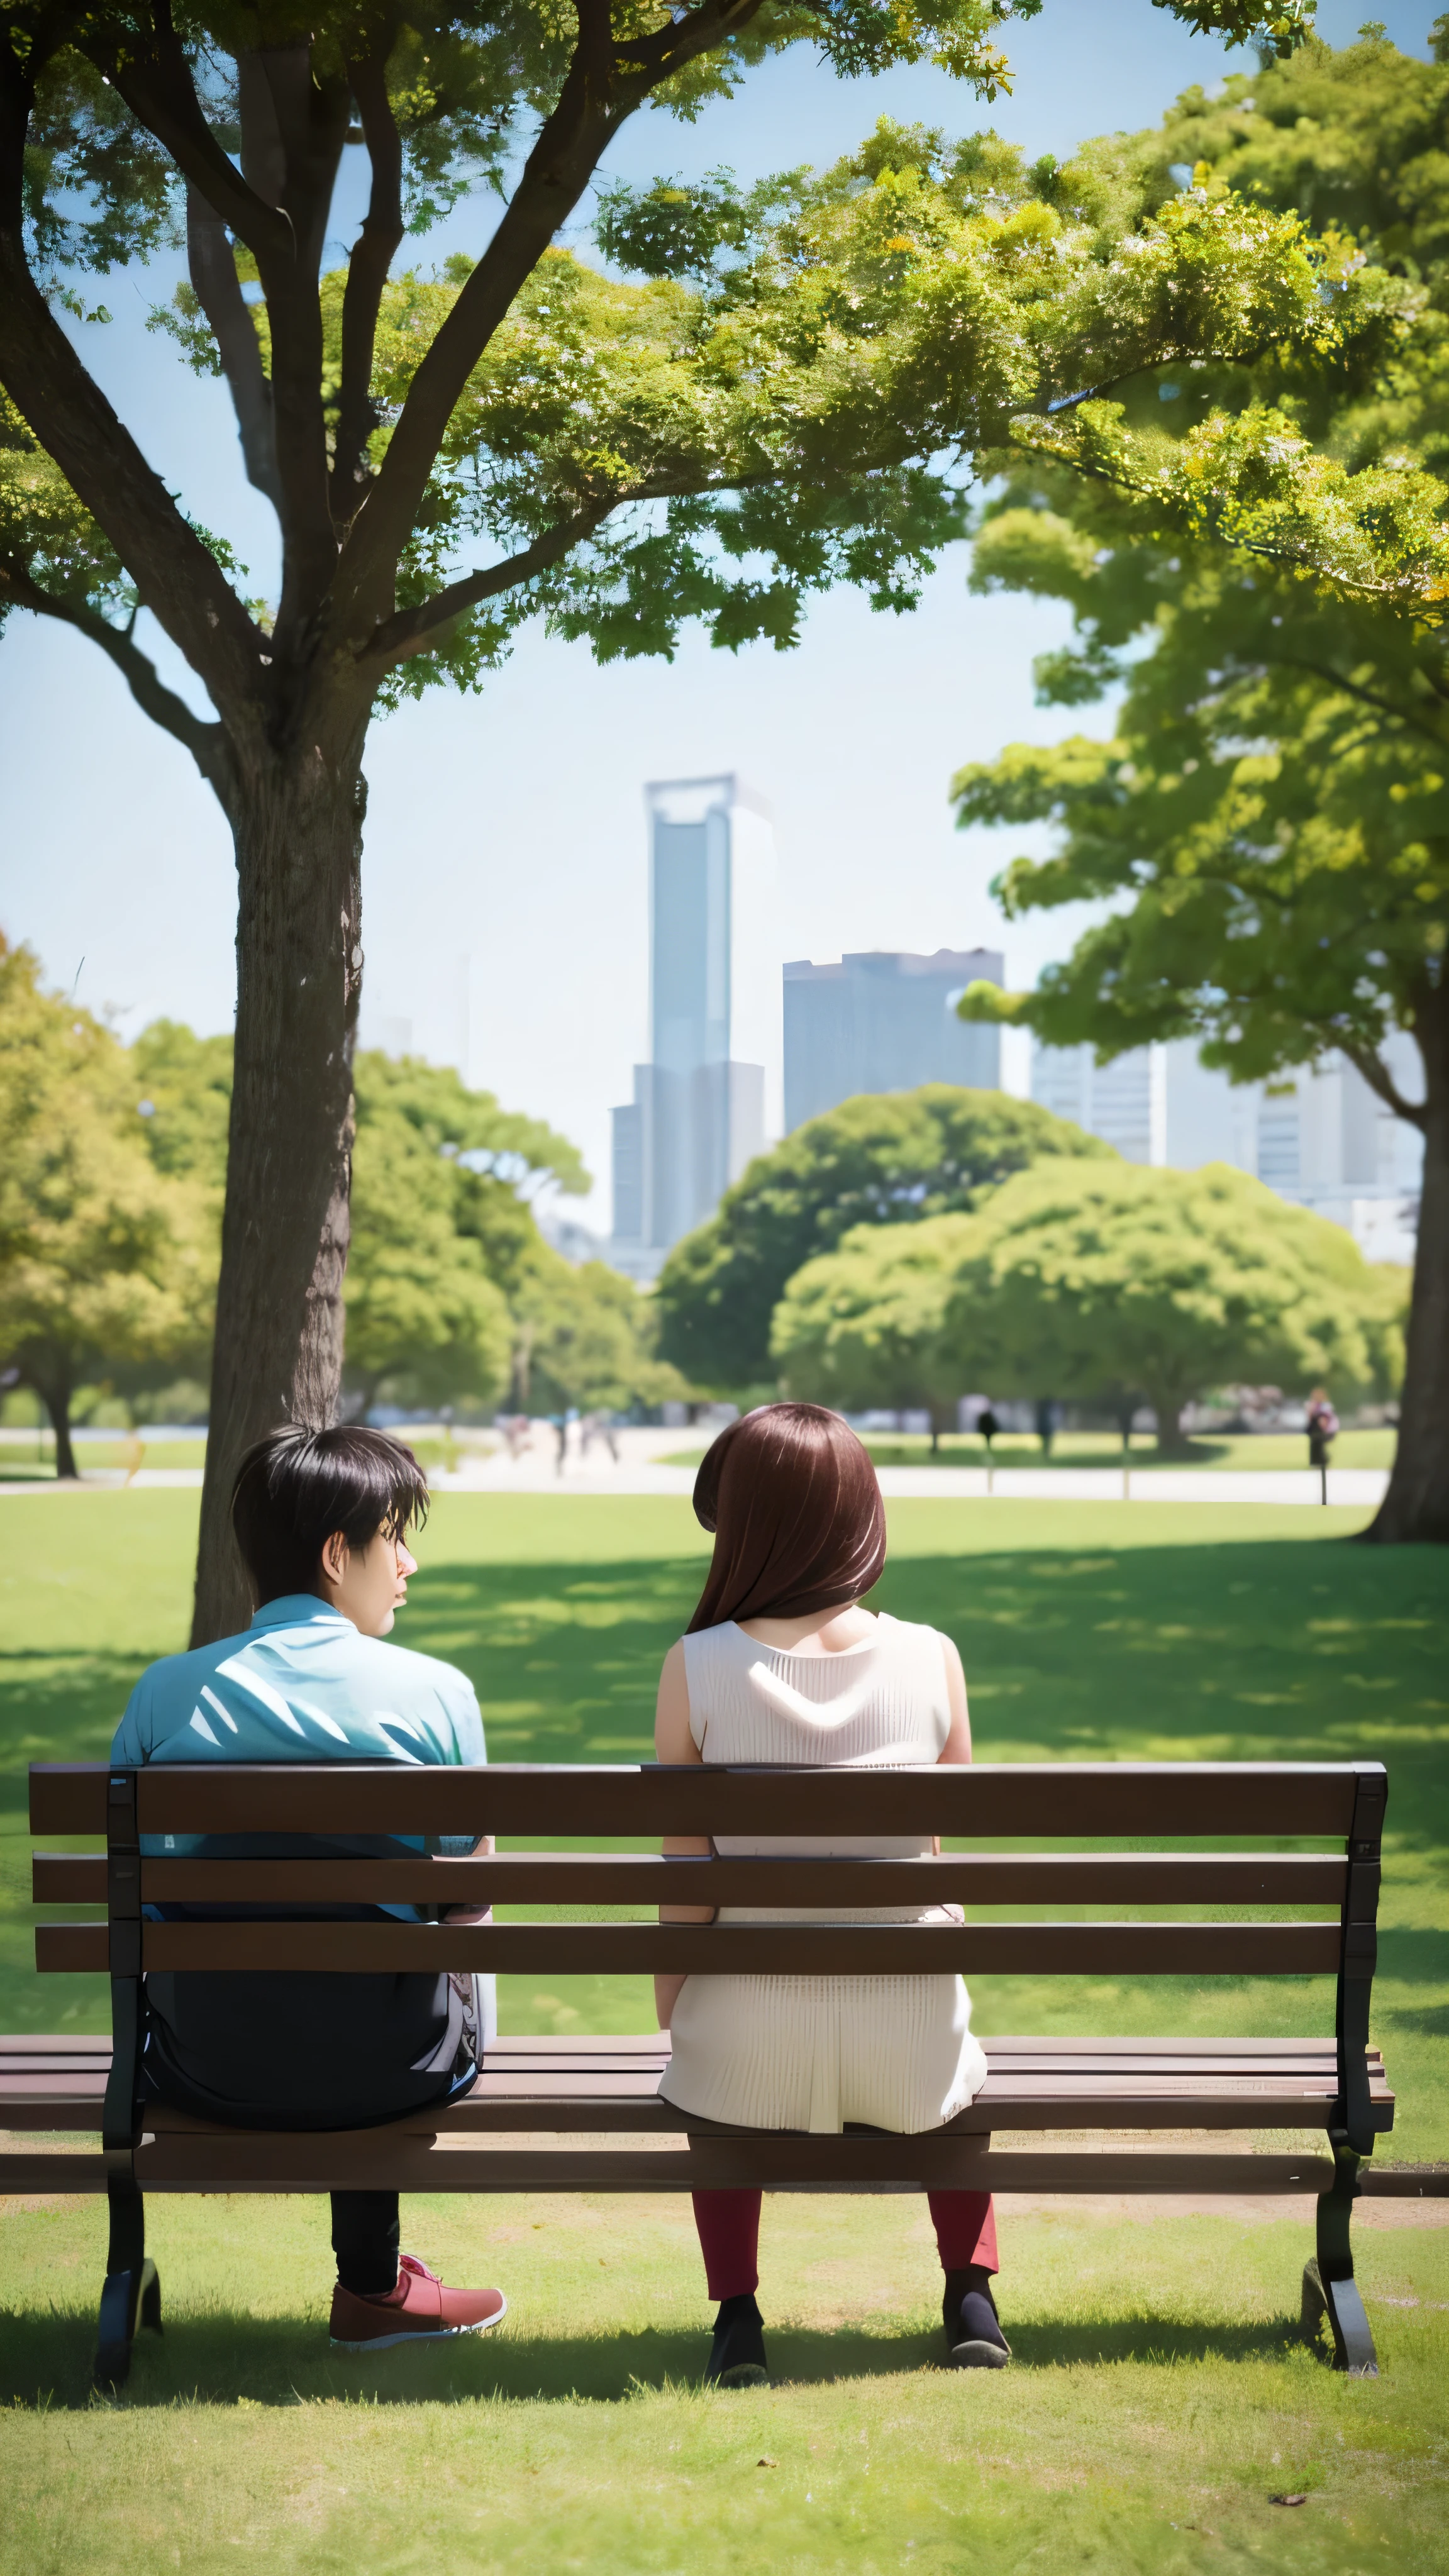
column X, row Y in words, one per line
column 226, row 2359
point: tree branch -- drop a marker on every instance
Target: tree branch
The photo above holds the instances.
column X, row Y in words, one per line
column 294, row 121
column 592, row 104
column 367, row 274
column 177, row 578
column 160, row 92
column 1366, row 697
column 206, row 743
column 212, row 266
column 417, row 630
column 1378, row 1077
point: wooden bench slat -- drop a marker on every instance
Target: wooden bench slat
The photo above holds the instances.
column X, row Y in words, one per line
column 736, row 1949
column 996, row 1799
column 616, row 1878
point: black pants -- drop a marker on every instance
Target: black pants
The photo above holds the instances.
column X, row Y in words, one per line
column 365, row 2241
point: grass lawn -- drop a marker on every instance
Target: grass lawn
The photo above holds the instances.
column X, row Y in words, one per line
column 1158, row 2399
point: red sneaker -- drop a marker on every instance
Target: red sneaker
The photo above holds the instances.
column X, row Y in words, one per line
column 419, row 2310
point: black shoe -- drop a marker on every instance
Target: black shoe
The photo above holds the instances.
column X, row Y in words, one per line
column 973, row 2330
column 737, row 2357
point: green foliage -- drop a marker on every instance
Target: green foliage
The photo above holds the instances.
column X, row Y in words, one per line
column 187, row 1082
column 791, row 410
column 788, row 422
column 878, row 1159
column 102, row 1257
column 1091, row 1281
column 863, row 1326
column 443, row 1234
column 586, row 1337
column 422, row 1313
column 1271, row 821
column 1340, row 467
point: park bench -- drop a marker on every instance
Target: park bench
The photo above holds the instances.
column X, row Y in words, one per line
column 583, row 2114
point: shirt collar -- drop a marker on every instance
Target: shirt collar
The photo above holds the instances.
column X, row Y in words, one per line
column 298, row 1610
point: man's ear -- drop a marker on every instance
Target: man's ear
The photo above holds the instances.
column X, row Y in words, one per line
column 334, row 1556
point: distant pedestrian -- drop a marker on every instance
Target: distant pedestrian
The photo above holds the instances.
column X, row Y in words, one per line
column 1322, row 1432
column 560, row 1423
column 1046, row 1424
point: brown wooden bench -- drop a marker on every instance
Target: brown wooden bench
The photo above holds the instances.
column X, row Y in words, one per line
column 552, row 2114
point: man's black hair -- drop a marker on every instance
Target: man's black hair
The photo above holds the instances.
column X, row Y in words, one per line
column 295, row 1487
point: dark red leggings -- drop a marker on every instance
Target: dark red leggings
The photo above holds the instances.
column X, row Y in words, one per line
column 729, row 2235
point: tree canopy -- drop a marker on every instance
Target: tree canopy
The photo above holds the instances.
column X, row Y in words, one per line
column 1270, row 818
column 1084, row 1280
column 885, row 1157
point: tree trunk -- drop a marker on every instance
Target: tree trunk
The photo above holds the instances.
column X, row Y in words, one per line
column 297, row 824
column 54, row 1394
column 1171, row 1442
column 1416, row 1505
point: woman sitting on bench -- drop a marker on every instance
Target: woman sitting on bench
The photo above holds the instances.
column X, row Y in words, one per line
column 781, row 1663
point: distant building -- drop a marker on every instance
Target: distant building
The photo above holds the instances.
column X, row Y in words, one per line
column 1318, row 1136
column 884, row 1021
column 709, row 1097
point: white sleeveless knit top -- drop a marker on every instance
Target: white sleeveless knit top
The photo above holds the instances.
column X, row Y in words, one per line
column 817, row 2052
column 876, row 1705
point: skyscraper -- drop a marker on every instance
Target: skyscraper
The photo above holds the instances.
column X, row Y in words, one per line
column 884, row 1021
column 709, row 1096
column 1317, row 1135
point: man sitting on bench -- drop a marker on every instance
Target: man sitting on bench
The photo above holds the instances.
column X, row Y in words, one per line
column 320, row 1518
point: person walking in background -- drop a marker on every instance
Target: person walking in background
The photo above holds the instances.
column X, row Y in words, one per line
column 1046, row 1424
column 781, row 1664
column 321, row 1519
column 1322, row 1432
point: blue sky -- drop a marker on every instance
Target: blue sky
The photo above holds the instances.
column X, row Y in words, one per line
column 505, row 861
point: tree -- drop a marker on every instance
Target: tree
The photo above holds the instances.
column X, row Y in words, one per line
column 899, row 1155
column 630, row 454
column 443, row 1228
column 864, row 1325
column 1271, row 818
column 102, row 1258
column 585, row 1337
column 1092, row 1278
column 1118, row 1277
column 424, row 1309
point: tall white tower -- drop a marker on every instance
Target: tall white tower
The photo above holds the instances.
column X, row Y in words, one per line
column 709, row 1098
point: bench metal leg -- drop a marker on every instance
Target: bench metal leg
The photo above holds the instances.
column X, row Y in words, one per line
column 1329, row 2288
column 132, row 2294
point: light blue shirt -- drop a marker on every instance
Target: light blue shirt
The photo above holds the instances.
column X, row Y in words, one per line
column 302, row 1684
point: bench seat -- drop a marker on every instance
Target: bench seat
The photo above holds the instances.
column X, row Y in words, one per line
column 552, row 2099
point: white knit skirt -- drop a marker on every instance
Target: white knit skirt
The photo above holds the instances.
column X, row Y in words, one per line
column 815, row 2052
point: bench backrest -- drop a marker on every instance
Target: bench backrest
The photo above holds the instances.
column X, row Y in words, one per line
column 1157, row 1804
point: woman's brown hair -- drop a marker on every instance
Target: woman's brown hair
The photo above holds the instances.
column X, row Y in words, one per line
column 798, row 1522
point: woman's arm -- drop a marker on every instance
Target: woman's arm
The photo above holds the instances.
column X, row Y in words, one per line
column 957, row 1747
column 673, row 1742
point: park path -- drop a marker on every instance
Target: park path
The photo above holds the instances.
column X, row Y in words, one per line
column 635, row 1474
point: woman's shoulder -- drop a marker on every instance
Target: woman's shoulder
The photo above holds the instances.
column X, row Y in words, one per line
column 909, row 1632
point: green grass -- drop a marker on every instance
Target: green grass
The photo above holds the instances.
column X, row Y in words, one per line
column 1157, row 2401
column 1158, row 2398
column 1240, row 1451
column 30, row 1457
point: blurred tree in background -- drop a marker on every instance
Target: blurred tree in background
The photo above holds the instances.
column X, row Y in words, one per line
column 1080, row 1280
column 103, row 1257
column 880, row 1159
column 1271, row 815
